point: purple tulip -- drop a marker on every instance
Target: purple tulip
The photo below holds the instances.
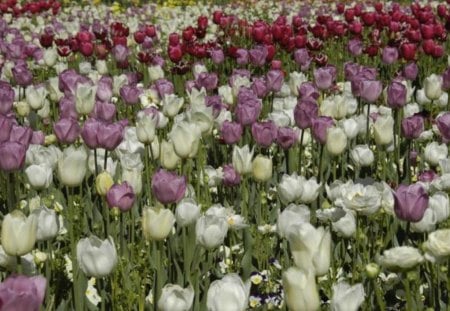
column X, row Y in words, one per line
column 68, row 81
column 67, row 108
column 22, row 75
column 67, row 130
column 320, row 127
column 302, row 58
column 410, row 202
column 443, row 124
column 89, row 132
column 21, row 134
column 446, row 80
column 242, row 56
column 109, row 136
column 274, row 80
column 389, row 55
column 207, row 80
column 120, row 53
column 163, row 87
column 104, row 112
column 6, row 97
column 19, row 292
column 286, row 137
column 230, row 176
column 304, row 112
column 370, row 90
column 6, row 125
column 121, row 196
column 355, row 47
column 259, row 87
column 258, row 55
column 427, row 176
column 248, row 108
column 351, row 70
column 231, row 132
column 168, row 187
column 38, row 138
column 264, row 133
column 130, row 94
column 410, row 71
column 104, row 89
column 324, row 77
column 12, row 156
column 396, row 94
column 215, row 101
column 412, row 127
column 217, row 56
column 308, row 91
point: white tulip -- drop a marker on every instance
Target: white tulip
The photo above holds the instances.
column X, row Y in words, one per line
column 50, row 57
column 40, row 176
column 35, row 96
column 242, row 159
column 401, row 257
column 175, row 298
column 290, row 216
column 72, row 166
column 155, row 73
column 186, row 139
column 383, row 129
column 351, row 128
column 187, row 212
column 432, row 86
column 168, row 158
column 172, row 104
column 211, row 231
column 437, row 247
column 146, row 127
column 362, row 156
column 290, row 188
column 346, row 297
column 229, row 293
column 85, row 98
column 336, row 141
column 434, row 153
column 47, row 223
column 262, row 168
column 157, row 223
column 310, row 188
column 18, row 233
column 346, row 225
column 95, row 257
column 300, row 290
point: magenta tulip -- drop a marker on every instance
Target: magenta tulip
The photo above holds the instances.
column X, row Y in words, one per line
column 168, row 187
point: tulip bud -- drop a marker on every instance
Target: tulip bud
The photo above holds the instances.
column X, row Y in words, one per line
column 18, row 233
column 157, row 223
column 372, row 270
column 103, row 182
column 262, row 168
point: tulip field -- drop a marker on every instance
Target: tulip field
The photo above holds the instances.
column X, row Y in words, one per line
column 247, row 155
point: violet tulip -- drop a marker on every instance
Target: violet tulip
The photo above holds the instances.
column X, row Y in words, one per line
column 67, row 130
column 20, row 292
column 370, row 90
column 274, row 80
column 231, row 132
column 109, row 136
column 264, row 133
column 320, row 127
column 389, row 55
column 6, row 97
column 130, row 94
column 230, row 176
column 304, row 112
column 89, row 132
column 324, row 77
column 12, row 156
column 286, row 137
column 248, row 112
column 410, row 71
column 258, row 55
column 121, row 196
column 396, row 94
column 410, row 202
column 412, row 127
column 168, row 187
column 443, row 124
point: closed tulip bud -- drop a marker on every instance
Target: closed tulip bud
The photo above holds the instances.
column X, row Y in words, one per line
column 262, row 168
column 370, row 90
column 320, row 128
column 300, row 289
column 410, row 202
column 186, row 138
column 346, row 297
column 40, row 176
column 157, row 223
column 47, row 223
column 231, row 132
column 175, row 298
column 242, row 159
column 336, row 141
column 168, row 158
column 229, row 293
column 103, row 182
column 20, row 292
column 384, row 130
column 85, row 98
column 18, row 233
column 67, row 130
column 95, row 257
column 187, row 212
column 72, row 166
column 121, row 196
column 432, row 86
column 211, row 231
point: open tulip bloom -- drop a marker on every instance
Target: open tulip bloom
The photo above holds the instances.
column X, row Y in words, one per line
column 220, row 156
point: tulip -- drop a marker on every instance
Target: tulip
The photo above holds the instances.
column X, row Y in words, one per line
column 157, row 223
column 336, row 141
column 262, row 168
column 355, row 47
column 12, row 156
column 105, row 89
column 231, row 132
column 396, row 94
column 410, row 71
column 370, row 90
column 211, row 231
column 168, row 187
column 436, row 247
column 172, row 104
column 121, row 196
column 40, row 176
column 286, row 137
column 6, row 124
column 228, row 293
column 85, row 98
column 310, row 247
column 20, row 292
column 290, row 188
column 242, row 159
column 47, row 223
column 130, row 94
column 35, row 96
column 304, row 113
column 230, row 176
column 103, row 182
column 186, row 138
column 67, row 130
column 389, row 55
column 362, row 156
column 300, row 290
column 291, row 216
column 384, row 130
column 434, row 153
column 248, row 111
column 412, row 127
column 401, row 258
column 259, row 87
column 264, row 133
column 169, row 159
column 217, row 56
column 176, row 298
column 443, row 124
column 274, row 80
column 18, row 233
column 72, row 166
column 133, row 176
column 346, row 297
column 187, row 212
column 410, row 202
column 109, row 136
column 320, row 128
column 95, row 257
column 7, row 96
column 433, row 86
column 302, row 58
